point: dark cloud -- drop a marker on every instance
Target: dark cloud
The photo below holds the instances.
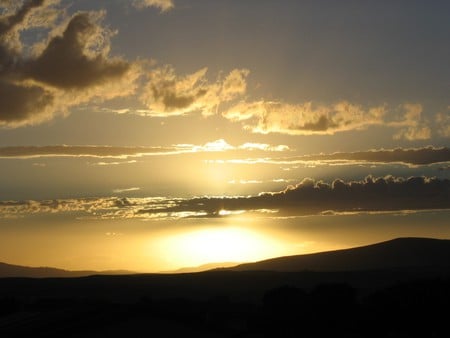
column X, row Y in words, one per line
column 69, row 67
column 21, row 102
column 9, row 26
column 66, row 64
column 315, row 197
column 9, row 22
column 322, row 124
column 80, row 151
column 414, row 156
column 124, row 152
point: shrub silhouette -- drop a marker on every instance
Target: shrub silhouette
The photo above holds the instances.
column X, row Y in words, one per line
column 333, row 307
column 9, row 305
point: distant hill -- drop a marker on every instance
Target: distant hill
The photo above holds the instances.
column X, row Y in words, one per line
column 366, row 268
column 9, row 270
column 203, row 267
column 396, row 253
column 357, row 292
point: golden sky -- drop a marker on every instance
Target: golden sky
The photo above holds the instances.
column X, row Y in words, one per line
column 156, row 134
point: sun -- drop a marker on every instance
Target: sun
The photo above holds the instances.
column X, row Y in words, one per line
column 215, row 245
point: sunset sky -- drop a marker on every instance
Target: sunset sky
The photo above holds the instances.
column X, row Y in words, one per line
column 151, row 135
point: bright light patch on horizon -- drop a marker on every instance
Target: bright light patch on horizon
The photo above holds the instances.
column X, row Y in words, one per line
column 229, row 244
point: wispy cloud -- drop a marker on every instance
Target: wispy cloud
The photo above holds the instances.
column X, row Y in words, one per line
column 264, row 147
column 123, row 190
column 304, row 119
column 318, row 119
column 163, row 5
column 245, row 182
column 167, row 94
column 112, row 163
column 217, row 145
column 82, row 151
column 410, row 157
column 114, row 152
column 443, row 121
column 415, row 128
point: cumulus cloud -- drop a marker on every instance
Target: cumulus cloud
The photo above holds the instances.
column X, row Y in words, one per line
column 17, row 16
column 69, row 67
column 163, row 5
column 314, row 119
column 78, row 58
column 315, row 197
column 24, row 103
column 167, row 94
column 304, row 119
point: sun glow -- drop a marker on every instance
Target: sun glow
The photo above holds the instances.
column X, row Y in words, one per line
column 229, row 244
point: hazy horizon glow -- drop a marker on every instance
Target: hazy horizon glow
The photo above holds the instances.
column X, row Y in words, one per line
column 155, row 134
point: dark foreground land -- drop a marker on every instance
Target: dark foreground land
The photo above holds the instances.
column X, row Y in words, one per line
column 403, row 301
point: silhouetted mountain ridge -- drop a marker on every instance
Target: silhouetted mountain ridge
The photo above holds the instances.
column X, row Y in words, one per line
column 10, row 270
column 410, row 252
column 203, row 267
column 407, row 252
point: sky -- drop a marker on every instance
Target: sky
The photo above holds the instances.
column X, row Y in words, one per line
column 151, row 135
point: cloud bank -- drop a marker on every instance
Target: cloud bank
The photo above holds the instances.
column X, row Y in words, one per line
column 315, row 197
column 309, row 197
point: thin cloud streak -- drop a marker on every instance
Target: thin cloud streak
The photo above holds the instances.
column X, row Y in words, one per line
column 82, row 151
column 163, row 5
column 409, row 156
column 97, row 151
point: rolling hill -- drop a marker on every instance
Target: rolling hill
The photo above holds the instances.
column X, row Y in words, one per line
column 393, row 254
column 9, row 270
column 366, row 286
column 396, row 253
